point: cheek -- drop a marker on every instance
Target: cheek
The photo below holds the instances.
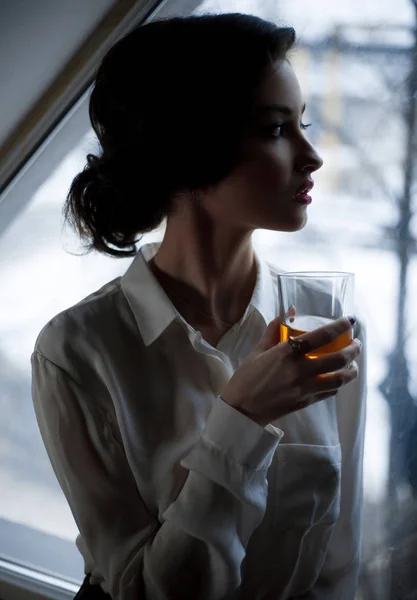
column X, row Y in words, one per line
column 265, row 187
column 269, row 172
column 257, row 188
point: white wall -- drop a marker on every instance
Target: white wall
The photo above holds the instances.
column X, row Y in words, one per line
column 37, row 37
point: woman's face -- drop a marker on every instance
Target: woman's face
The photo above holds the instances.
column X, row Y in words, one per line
column 277, row 161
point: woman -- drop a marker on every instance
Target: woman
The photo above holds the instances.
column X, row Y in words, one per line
column 201, row 458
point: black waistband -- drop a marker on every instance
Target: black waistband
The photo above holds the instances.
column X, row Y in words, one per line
column 91, row 592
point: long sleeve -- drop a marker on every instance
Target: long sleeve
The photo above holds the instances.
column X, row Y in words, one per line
column 339, row 575
column 196, row 549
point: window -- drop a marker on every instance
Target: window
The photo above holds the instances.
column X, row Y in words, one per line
column 355, row 61
column 357, row 69
column 40, row 277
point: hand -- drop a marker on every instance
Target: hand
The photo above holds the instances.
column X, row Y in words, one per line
column 273, row 382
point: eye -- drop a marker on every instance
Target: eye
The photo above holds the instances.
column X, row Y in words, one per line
column 276, row 130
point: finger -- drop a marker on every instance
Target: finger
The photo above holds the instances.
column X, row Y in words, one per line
column 326, row 334
column 290, row 314
column 320, row 397
column 315, row 398
column 334, row 381
column 271, row 336
column 336, row 360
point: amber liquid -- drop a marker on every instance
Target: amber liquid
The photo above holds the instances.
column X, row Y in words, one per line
column 301, row 325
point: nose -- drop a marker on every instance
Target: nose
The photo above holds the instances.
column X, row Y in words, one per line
column 308, row 159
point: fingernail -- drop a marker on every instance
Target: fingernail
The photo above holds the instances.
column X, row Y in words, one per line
column 290, row 313
column 352, row 320
column 358, row 341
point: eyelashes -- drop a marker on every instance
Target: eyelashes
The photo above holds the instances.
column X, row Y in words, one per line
column 272, row 129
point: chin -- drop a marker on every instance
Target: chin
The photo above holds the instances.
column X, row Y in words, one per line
column 289, row 225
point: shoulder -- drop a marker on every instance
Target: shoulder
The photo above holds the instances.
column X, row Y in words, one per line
column 274, row 269
column 81, row 328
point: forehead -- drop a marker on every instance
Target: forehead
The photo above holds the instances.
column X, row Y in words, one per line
column 280, row 86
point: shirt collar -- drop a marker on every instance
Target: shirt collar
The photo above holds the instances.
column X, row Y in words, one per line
column 154, row 312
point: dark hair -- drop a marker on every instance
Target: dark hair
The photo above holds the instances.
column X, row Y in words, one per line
column 169, row 106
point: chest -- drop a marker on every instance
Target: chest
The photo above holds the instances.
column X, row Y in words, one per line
column 163, row 423
column 211, row 335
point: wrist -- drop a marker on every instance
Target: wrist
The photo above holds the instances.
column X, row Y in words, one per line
column 259, row 419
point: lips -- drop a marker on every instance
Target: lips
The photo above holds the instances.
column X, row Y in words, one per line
column 301, row 196
column 305, row 188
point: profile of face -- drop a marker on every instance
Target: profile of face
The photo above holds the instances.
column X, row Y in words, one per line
column 264, row 191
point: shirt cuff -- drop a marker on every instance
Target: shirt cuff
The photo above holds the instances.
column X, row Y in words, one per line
column 236, row 435
column 235, row 453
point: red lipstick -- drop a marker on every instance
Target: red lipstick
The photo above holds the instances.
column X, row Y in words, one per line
column 302, row 194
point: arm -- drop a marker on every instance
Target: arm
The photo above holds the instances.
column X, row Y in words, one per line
column 197, row 549
column 339, row 576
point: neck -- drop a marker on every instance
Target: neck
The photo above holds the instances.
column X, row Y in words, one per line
column 211, row 270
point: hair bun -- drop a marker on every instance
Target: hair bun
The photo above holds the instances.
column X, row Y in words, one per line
column 100, row 169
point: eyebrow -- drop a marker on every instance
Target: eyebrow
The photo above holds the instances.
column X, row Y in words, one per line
column 285, row 110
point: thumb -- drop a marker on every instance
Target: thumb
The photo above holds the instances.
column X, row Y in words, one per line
column 271, row 336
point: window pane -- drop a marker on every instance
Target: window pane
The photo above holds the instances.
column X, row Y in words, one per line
column 40, row 277
column 354, row 61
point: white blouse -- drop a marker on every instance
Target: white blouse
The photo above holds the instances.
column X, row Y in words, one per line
column 175, row 493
